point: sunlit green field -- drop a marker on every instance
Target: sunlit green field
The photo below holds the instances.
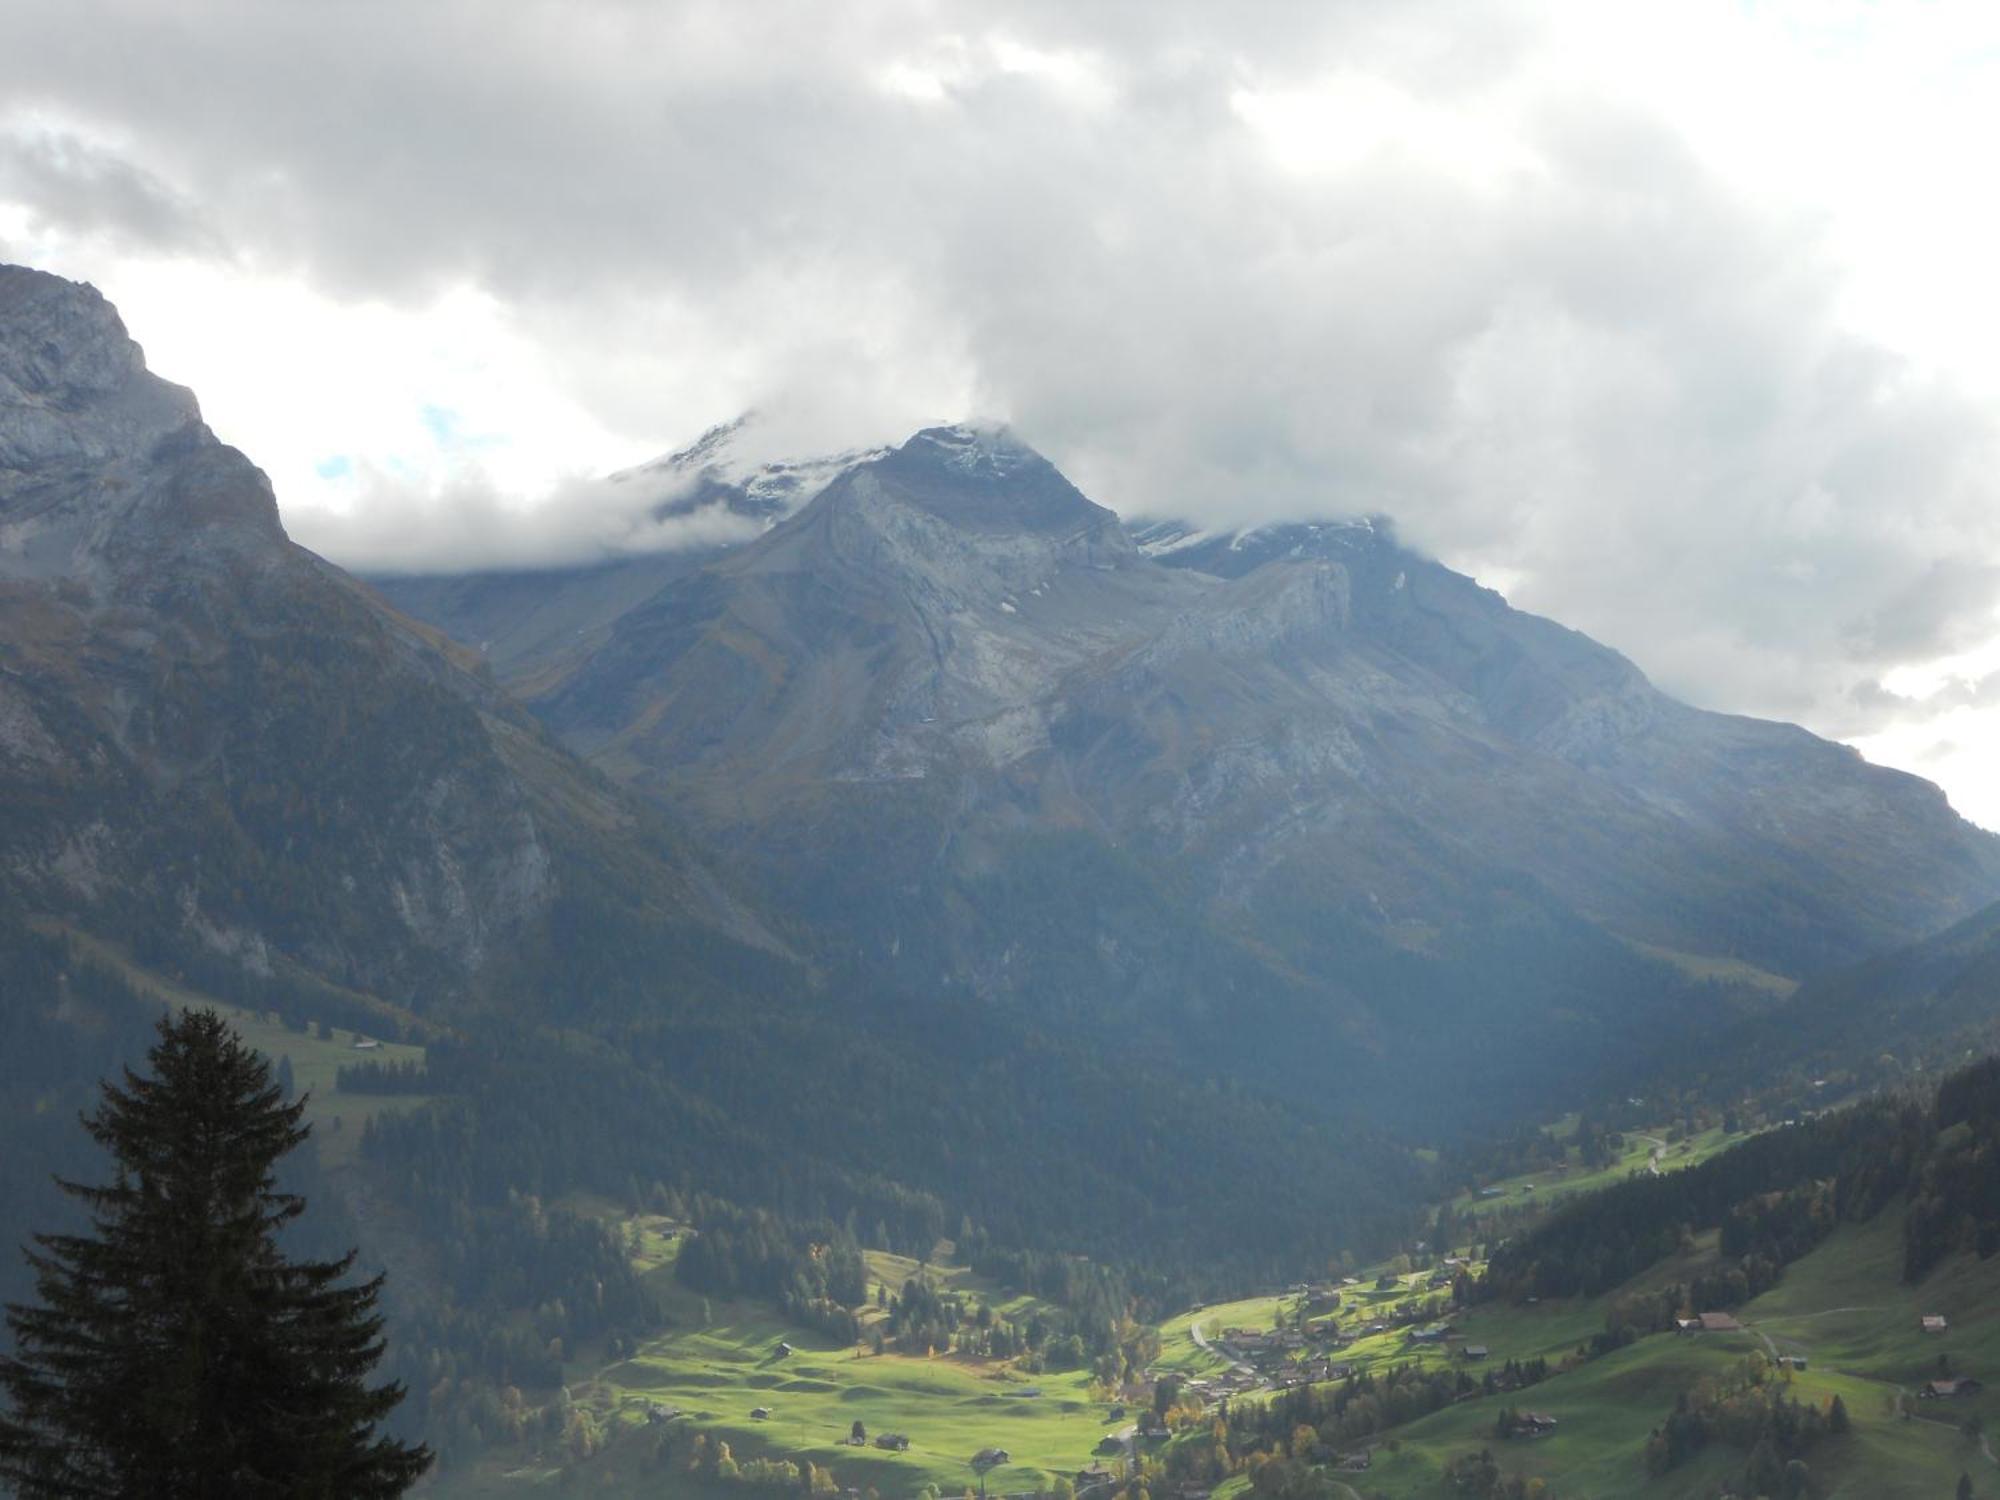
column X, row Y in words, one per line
column 1544, row 1190
column 1842, row 1307
column 720, row 1361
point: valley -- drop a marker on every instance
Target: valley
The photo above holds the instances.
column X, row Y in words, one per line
column 1841, row 1323
column 1104, row 1005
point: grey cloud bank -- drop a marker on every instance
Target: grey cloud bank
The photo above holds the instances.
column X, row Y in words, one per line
column 1454, row 285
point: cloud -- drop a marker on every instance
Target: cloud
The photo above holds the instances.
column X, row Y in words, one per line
column 392, row 525
column 67, row 184
column 1530, row 279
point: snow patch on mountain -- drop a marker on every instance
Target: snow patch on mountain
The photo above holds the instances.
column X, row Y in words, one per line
column 740, row 467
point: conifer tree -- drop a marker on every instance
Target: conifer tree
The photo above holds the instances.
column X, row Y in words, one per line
column 176, row 1351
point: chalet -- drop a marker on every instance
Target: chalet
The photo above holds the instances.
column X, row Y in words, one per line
column 1718, row 1322
column 1791, row 1361
column 1932, row 1323
column 1353, row 1463
column 784, row 1350
column 1092, row 1477
column 656, row 1413
column 760, row 1413
column 1535, row 1424
column 1946, row 1390
column 989, row 1458
column 894, row 1442
column 1475, row 1351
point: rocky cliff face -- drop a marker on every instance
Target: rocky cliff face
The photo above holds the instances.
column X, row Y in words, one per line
column 210, row 737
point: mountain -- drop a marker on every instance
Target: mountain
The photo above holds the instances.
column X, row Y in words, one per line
column 1252, row 800
column 230, row 770
column 1928, row 1005
column 215, row 745
column 725, row 488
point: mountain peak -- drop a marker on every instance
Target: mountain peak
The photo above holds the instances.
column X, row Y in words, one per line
column 745, row 466
column 74, row 389
column 978, row 450
column 983, row 479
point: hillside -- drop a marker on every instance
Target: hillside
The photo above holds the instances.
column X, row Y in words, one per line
column 218, row 747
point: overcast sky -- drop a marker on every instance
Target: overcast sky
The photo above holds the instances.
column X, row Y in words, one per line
column 1673, row 321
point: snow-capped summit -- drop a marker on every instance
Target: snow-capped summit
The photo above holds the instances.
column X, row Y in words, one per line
column 741, row 466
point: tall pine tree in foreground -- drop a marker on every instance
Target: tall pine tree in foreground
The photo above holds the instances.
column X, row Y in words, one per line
column 176, row 1352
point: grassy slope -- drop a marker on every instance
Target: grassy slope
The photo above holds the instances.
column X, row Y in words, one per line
column 337, row 1119
column 1542, row 1190
column 1867, row 1356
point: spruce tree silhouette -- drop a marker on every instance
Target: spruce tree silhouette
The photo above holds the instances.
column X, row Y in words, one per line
column 175, row 1351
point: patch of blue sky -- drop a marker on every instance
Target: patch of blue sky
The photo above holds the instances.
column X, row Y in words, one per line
column 447, row 430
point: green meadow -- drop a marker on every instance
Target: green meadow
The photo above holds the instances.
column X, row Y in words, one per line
column 1843, row 1308
column 1542, row 1191
column 337, row 1119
